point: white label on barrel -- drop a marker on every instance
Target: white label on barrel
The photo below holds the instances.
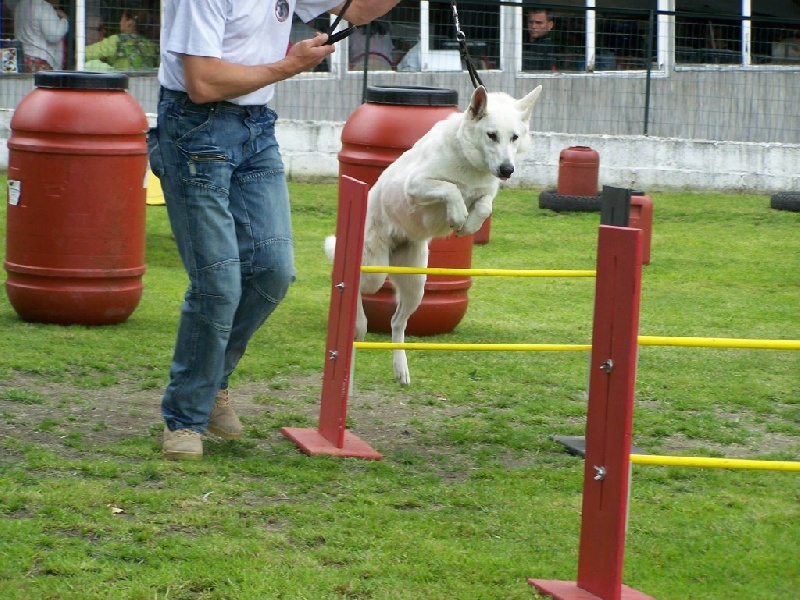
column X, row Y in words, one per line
column 14, row 191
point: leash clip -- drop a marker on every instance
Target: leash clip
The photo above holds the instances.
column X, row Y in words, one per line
column 462, row 44
column 455, row 18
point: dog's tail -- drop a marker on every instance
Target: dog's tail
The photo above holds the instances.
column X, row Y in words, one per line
column 330, row 246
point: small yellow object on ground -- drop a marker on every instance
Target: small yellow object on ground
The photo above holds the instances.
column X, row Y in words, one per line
column 155, row 197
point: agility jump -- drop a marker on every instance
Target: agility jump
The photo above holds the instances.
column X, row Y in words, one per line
column 614, row 350
column 331, row 436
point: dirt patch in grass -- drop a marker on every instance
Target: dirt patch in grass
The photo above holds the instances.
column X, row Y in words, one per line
column 74, row 422
column 71, row 420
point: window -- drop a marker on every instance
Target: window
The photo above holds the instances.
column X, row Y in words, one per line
column 711, row 38
column 723, row 32
column 609, row 38
column 775, row 42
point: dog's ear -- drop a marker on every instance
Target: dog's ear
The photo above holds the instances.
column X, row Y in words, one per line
column 477, row 105
column 525, row 105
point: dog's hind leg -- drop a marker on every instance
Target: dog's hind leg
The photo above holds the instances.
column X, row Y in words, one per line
column 376, row 253
column 409, row 290
column 361, row 320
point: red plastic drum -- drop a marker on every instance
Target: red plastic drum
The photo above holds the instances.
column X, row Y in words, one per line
column 578, row 171
column 77, row 162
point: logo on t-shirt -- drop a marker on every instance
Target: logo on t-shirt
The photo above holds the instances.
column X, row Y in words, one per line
column 282, row 10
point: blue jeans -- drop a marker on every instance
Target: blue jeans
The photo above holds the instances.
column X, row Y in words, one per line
column 225, row 190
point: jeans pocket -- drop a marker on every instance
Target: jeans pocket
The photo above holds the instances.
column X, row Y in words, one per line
column 154, row 153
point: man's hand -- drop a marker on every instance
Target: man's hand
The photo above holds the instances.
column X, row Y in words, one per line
column 307, row 54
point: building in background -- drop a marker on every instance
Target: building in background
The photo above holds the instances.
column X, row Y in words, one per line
column 707, row 69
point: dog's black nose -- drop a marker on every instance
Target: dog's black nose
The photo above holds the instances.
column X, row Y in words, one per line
column 506, row 170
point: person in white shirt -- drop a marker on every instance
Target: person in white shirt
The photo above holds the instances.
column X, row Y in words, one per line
column 381, row 47
column 215, row 153
column 41, row 26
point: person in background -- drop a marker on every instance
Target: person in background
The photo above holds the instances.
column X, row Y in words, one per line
column 126, row 51
column 215, row 153
column 41, row 26
column 95, row 29
column 379, row 56
column 538, row 52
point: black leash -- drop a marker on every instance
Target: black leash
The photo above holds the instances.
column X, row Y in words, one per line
column 462, row 44
column 336, row 37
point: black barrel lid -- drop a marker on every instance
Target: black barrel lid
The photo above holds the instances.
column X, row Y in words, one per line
column 81, row 80
column 411, row 95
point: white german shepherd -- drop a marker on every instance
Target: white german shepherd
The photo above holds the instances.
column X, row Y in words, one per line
column 446, row 182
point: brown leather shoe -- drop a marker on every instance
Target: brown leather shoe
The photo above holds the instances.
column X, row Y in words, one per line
column 182, row 444
column 223, row 421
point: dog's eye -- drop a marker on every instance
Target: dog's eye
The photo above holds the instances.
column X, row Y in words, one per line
column 514, row 137
column 492, row 136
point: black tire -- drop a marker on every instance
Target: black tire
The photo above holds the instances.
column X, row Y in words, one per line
column 552, row 200
column 785, row 201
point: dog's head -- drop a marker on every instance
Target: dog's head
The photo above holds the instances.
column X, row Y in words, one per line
column 496, row 129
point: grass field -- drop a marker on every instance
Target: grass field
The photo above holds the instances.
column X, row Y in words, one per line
column 472, row 496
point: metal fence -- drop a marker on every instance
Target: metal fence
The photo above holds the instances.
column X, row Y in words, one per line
column 669, row 68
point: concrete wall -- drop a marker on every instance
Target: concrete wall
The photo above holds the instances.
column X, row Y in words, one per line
column 649, row 163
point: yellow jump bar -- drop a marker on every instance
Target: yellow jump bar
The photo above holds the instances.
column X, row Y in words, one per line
column 473, row 347
column 703, row 342
column 718, row 463
column 644, row 340
column 477, row 272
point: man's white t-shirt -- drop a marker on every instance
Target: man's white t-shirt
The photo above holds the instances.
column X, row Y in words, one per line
column 249, row 32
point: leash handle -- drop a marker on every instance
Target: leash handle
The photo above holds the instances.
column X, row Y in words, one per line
column 339, row 35
column 462, row 44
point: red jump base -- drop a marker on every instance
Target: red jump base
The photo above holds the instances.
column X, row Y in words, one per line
column 569, row 590
column 312, row 442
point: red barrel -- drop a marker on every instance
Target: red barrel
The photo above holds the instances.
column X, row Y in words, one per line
column 482, row 235
column 390, row 121
column 77, row 162
column 578, row 171
column 641, row 217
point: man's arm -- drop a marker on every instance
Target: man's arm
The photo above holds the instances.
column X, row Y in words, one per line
column 212, row 79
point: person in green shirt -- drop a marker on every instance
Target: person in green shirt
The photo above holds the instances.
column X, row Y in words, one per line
column 127, row 51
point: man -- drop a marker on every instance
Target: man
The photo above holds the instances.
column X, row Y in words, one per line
column 538, row 53
column 215, row 153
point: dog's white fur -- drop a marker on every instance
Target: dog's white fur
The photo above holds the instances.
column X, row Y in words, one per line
column 446, row 182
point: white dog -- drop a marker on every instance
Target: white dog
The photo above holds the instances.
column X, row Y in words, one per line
column 446, row 182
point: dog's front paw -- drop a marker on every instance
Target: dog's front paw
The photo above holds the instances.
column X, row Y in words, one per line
column 471, row 225
column 457, row 217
